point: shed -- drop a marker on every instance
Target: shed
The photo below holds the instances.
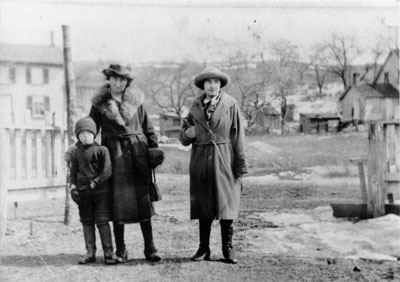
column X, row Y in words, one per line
column 268, row 120
column 170, row 124
column 319, row 123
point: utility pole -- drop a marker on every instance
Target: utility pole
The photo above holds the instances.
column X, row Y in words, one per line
column 4, row 172
column 71, row 96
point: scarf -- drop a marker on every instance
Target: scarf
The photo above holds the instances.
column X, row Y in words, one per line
column 209, row 105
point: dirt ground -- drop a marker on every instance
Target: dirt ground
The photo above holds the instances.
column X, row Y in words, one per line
column 285, row 232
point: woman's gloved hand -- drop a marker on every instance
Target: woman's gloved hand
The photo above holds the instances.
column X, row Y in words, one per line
column 75, row 196
column 190, row 132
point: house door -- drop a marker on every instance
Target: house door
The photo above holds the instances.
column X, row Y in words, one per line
column 356, row 110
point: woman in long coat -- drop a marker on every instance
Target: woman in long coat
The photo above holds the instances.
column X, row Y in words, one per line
column 127, row 132
column 218, row 160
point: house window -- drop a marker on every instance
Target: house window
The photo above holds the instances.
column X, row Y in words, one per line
column 38, row 105
column 37, row 75
column 7, row 75
column 28, row 75
column 12, row 74
column 46, row 76
column 386, row 79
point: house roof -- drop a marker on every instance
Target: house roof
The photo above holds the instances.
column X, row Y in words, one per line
column 379, row 90
column 33, row 54
column 348, row 89
column 392, row 53
column 385, row 90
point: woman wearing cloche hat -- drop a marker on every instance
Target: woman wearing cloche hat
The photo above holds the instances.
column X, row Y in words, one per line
column 127, row 132
column 218, row 160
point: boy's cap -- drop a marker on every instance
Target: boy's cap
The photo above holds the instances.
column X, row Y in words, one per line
column 86, row 123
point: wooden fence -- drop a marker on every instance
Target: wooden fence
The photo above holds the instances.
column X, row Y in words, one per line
column 32, row 162
column 383, row 167
column 380, row 186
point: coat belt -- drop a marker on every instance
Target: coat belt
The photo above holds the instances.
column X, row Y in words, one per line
column 212, row 142
column 124, row 135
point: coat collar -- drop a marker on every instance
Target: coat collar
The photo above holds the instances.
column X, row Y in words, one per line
column 79, row 144
column 224, row 104
column 132, row 98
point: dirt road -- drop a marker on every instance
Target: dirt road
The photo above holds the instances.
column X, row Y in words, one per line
column 276, row 239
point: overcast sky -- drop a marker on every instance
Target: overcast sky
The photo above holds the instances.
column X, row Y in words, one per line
column 140, row 31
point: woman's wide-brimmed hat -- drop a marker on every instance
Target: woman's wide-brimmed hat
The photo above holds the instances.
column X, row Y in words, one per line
column 210, row 72
column 119, row 70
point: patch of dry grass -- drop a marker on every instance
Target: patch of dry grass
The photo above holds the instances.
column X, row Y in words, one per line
column 292, row 152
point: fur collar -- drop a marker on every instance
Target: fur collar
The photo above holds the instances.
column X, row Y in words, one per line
column 132, row 98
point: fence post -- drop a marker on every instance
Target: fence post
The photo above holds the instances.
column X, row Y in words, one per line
column 376, row 165
column 4, row 173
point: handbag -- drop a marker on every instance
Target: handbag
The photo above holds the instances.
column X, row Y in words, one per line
column 155, row 194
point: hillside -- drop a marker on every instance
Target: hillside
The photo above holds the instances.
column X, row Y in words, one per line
column 304, row 96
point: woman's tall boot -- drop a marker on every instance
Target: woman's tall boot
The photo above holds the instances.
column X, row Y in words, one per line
column 226, row 235
column 121, row 254
column 150, row 251
column 106, row 242
column 90, row 244
column 204, row 248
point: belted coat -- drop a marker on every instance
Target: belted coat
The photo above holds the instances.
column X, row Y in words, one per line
column 127, row 132
column 218, row 159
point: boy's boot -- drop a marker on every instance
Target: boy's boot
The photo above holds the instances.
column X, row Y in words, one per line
column 226, row 235
column 106, row 242
column 90, row 243
column 204, row 248
column 121, row 254
column 150, row 251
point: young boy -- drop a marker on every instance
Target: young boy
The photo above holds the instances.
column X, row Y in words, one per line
column 90, row 170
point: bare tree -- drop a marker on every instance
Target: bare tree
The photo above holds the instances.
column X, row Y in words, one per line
column 378, row 50
column 251, row 83
column 301, row 65
column 320, row 66
column 286, row 53
column 393, row 35
column 170, row 86
column 280, row 77
column 340, row 53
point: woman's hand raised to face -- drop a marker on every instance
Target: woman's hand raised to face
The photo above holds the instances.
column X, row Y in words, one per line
column 190, row 132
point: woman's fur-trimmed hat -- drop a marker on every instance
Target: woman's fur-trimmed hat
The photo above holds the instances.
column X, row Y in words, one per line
column 118, row 70
column 86, row 123
column 211, row 72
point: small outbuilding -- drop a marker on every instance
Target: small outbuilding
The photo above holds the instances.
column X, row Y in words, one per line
column 170, row 124
column 268, row 120
column 319, row 123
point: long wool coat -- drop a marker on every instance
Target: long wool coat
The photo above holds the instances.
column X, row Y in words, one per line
column 127, row 132
column 218, row 160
